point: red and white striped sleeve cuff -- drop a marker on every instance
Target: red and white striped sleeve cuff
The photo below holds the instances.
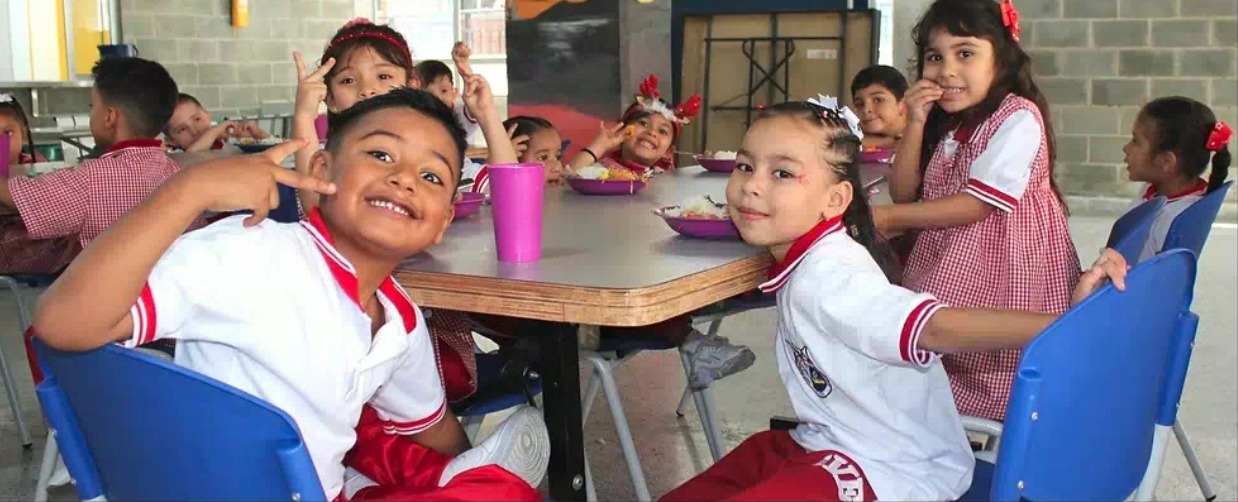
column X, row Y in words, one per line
column 481, row 182
column 415, row 426
column 991, row 195
column 145, row 325
column 913, row 326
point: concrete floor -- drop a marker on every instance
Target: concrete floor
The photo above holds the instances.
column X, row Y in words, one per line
column 673, row 449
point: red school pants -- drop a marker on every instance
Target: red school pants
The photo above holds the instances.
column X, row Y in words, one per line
column 772, row 466
column 405, row 470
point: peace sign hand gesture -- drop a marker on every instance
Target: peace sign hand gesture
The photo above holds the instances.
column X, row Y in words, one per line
column 311, row 86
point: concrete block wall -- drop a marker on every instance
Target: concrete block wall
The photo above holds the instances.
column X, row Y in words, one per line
column 233, row 70
column 1098, row 61
column 645, row 47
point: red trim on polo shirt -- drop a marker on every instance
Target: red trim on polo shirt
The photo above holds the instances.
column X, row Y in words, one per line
column 1199, row 188
column 780, row 272
column 135, row 143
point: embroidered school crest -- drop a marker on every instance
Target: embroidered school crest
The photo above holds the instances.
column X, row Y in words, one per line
column 809, row 372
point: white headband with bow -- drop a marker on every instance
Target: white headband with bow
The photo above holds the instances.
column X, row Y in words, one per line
column 6, row 97
column 831, row 104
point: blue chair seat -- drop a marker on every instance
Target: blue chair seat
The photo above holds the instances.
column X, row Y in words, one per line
column 981, row 483
column 35, row 280
column 489, row 375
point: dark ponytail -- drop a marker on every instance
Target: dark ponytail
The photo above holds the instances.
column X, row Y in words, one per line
column 1183, row 126
column 842, row 150
column 1220, row 168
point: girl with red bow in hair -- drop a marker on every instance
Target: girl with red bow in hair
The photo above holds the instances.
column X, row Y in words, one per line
column 973, row 178
column 644, row 140
column 1173, row 141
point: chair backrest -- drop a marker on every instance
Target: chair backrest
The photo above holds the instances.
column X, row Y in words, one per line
column 1130, row 232
column 1190, row 229
column 1091, row 388
column 133, row 427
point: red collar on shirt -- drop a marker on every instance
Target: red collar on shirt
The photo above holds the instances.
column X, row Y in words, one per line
column 1199, row 188
column 217, row 145
column 780, row 273
column 965, row 130
column 346, row 276
column 134, row 143
column 631, row 166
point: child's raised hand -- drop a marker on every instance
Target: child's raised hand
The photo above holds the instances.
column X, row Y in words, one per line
column 519, row 143
column 1111, row 266
column 460, row 54
column 920, row 99
column 250, row 182
column 478, row 96
column 248, row 129
column 311, row 86
column 609, row 138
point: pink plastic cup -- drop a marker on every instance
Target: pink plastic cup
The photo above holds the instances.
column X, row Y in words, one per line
column 320, row 126
column 516, row 195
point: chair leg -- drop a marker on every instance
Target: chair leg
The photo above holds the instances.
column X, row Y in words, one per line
column 50, row 453
column 681, row 410
column 591, row 394
column 601, row 369
column 1188, row 451
column 9, row 388
column 591, row 492
column 714, row 327
column 703, row 410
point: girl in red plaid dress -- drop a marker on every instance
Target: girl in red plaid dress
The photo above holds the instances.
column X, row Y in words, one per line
column 974, row 174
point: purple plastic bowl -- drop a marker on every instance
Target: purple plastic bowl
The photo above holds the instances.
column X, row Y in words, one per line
column 468, row 204
column 699, row 228
column 879, row 156
column 716, row 165
column 603, row 187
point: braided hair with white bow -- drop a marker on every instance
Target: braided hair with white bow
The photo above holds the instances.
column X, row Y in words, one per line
column 840, row 149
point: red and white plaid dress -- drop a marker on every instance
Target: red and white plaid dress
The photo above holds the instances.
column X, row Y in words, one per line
column 78, row 204
column 1020, row 257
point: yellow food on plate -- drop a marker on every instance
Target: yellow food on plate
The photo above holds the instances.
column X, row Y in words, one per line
column 607, row 173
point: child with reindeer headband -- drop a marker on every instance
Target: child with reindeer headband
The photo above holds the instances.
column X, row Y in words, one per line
column 973, row 175
column 644, row 140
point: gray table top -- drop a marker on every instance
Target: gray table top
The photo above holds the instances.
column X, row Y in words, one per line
column 597, row 241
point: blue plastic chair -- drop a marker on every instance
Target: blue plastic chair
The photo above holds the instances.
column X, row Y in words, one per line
column 1096, row 393
column 1191, row 228
column 133, row 427
column 1130, row 232
column 1189, row 231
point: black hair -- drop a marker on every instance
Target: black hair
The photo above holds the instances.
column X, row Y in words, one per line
column 384, row 40
column 431, row 70
column 1013, row 75
column 882, row 75
column 13, row 108
column 1182, row 126
column 527, row 125
column 142, row 89
column 841, row 152
column 415, row 99
column 183, row 98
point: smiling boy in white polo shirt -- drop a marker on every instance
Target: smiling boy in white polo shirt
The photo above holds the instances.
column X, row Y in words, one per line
column 306, row 316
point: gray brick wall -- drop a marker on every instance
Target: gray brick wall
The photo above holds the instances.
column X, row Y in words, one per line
column 1098, row 61
column 644, row 47
column 232, row 70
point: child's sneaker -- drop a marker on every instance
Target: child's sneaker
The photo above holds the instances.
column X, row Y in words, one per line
column 520, row 445
column 712, row 359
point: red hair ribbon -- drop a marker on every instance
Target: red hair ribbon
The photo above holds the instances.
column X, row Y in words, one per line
column 1010, row 19
column 689, row 108
column 1219, row 137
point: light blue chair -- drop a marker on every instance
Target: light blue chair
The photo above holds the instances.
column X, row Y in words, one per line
column 1190, row 231
column 131, row 426
column 1097, row 392
column 1130, row 232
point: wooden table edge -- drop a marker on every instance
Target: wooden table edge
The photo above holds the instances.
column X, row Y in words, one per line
column 584, row 305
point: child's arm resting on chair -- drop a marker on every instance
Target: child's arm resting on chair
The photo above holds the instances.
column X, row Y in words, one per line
column 89, row 305
column 981, row 330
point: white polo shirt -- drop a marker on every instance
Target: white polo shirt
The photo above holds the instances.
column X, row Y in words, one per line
column 273, row 311
column 847, row 354
column 1174, row 206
